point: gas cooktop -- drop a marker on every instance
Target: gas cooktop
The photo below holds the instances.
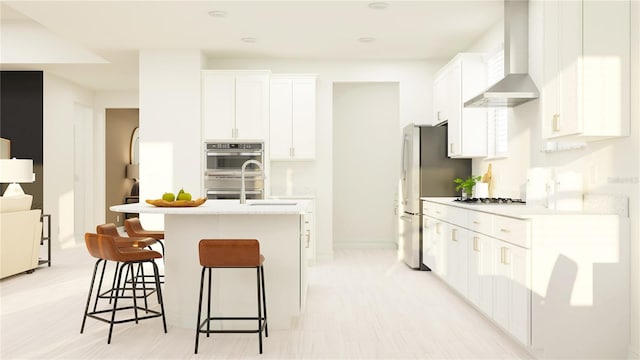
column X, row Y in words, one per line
column 488, row 201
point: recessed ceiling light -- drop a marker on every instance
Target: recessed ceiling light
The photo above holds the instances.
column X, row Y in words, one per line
column 379, row 5
column 249, row 40
column 367, row 39
column 217, row 13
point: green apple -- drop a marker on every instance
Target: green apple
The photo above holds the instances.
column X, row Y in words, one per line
column 168, row 197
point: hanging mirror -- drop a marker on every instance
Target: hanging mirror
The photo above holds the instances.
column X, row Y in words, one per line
column 134, row 147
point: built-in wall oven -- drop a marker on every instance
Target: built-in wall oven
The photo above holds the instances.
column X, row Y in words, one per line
column 222, row 168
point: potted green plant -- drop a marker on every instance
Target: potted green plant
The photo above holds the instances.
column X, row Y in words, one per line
column 466, row 185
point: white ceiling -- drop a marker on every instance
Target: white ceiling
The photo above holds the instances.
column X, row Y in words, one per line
column 116, row 30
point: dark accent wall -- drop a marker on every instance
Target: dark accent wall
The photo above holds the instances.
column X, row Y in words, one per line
column 21, row 121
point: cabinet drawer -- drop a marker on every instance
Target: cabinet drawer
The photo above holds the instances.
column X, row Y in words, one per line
column 457, row 216
column 512, row 230
column 437, row 211
column 480, row 222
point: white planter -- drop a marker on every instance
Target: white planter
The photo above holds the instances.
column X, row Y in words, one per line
column 481, row 190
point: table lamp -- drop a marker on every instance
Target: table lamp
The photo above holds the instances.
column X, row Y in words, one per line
column 14, row 171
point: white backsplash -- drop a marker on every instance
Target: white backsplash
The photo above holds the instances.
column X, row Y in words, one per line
column 293, row 178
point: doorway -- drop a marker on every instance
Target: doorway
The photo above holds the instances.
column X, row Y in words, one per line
column 365, row 161
column 120, row 126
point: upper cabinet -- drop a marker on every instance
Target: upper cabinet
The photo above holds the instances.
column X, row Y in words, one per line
column 235, row 104
column 586, row 69
column 462, row 78
column 292, row 117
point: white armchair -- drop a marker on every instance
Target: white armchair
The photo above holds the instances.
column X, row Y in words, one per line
column 20, row 234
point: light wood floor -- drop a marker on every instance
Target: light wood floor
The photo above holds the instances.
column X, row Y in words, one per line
column 363, row 305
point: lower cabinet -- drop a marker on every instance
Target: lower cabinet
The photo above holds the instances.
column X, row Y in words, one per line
column 433, row 255
column 544, row 279
column 456, row 253
column 511, row 295
column 480, row 276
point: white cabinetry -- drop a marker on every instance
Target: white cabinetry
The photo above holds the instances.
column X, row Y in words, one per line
column 235, row 104
column 433, row 245
column 292, row 116
column 586, row 69
column 511, row 290
column 463, row 77
column 480, row 275
column 456, row 253
column 545, row 279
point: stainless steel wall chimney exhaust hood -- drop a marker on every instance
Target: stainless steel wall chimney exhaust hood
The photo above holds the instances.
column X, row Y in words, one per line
column 516, row 87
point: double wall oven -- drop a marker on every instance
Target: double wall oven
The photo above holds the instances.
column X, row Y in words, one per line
column 222, row 168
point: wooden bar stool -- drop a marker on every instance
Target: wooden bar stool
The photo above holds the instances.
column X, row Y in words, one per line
column 134, row 229
column 218, row 253
column 104, row 248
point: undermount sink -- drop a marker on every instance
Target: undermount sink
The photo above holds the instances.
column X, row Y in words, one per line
column 271, row 202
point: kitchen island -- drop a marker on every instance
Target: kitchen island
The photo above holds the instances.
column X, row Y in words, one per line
column 277, row 224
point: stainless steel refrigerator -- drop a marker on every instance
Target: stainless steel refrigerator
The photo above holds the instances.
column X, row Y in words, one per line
column 426, row 171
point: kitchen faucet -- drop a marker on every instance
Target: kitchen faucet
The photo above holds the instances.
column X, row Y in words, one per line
column 243, row 194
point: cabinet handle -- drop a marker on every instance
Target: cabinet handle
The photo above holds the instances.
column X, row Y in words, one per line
column 506, row 256
column 438, row 116
column 438, row 228
column 502, row 255
column 293, row 152
column 451, row 148
column 506, row 231
column 454, row 234
column 475, row 222
column 308, row 234
column 556, row 122
column 475, row 244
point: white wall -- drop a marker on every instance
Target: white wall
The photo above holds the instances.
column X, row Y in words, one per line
column 415, row 87
column 102, row 101
column 170, row 125
column 60, row 97
column 365, row 163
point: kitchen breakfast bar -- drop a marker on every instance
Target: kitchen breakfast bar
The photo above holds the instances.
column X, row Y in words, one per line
column 279, row 227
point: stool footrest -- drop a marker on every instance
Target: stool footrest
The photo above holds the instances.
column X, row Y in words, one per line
column 94, row 315
column 204, row 323
column 109, row 293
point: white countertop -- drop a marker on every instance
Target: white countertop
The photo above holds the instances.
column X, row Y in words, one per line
column 519, row 211
column 222, row 207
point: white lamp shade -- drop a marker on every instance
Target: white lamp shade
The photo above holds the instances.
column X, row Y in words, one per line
column 133, row 171
column 16, row 171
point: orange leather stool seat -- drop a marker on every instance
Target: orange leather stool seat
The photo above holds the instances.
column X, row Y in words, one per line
column 231, row 253
column 104, row 248
column 134, row 228
column 121, row 241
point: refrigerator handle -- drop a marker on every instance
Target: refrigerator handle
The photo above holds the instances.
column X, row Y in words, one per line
column 404, row 152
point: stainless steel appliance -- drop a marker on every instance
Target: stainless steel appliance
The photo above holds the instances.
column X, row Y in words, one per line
column 223, row 166
column 426, row 171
